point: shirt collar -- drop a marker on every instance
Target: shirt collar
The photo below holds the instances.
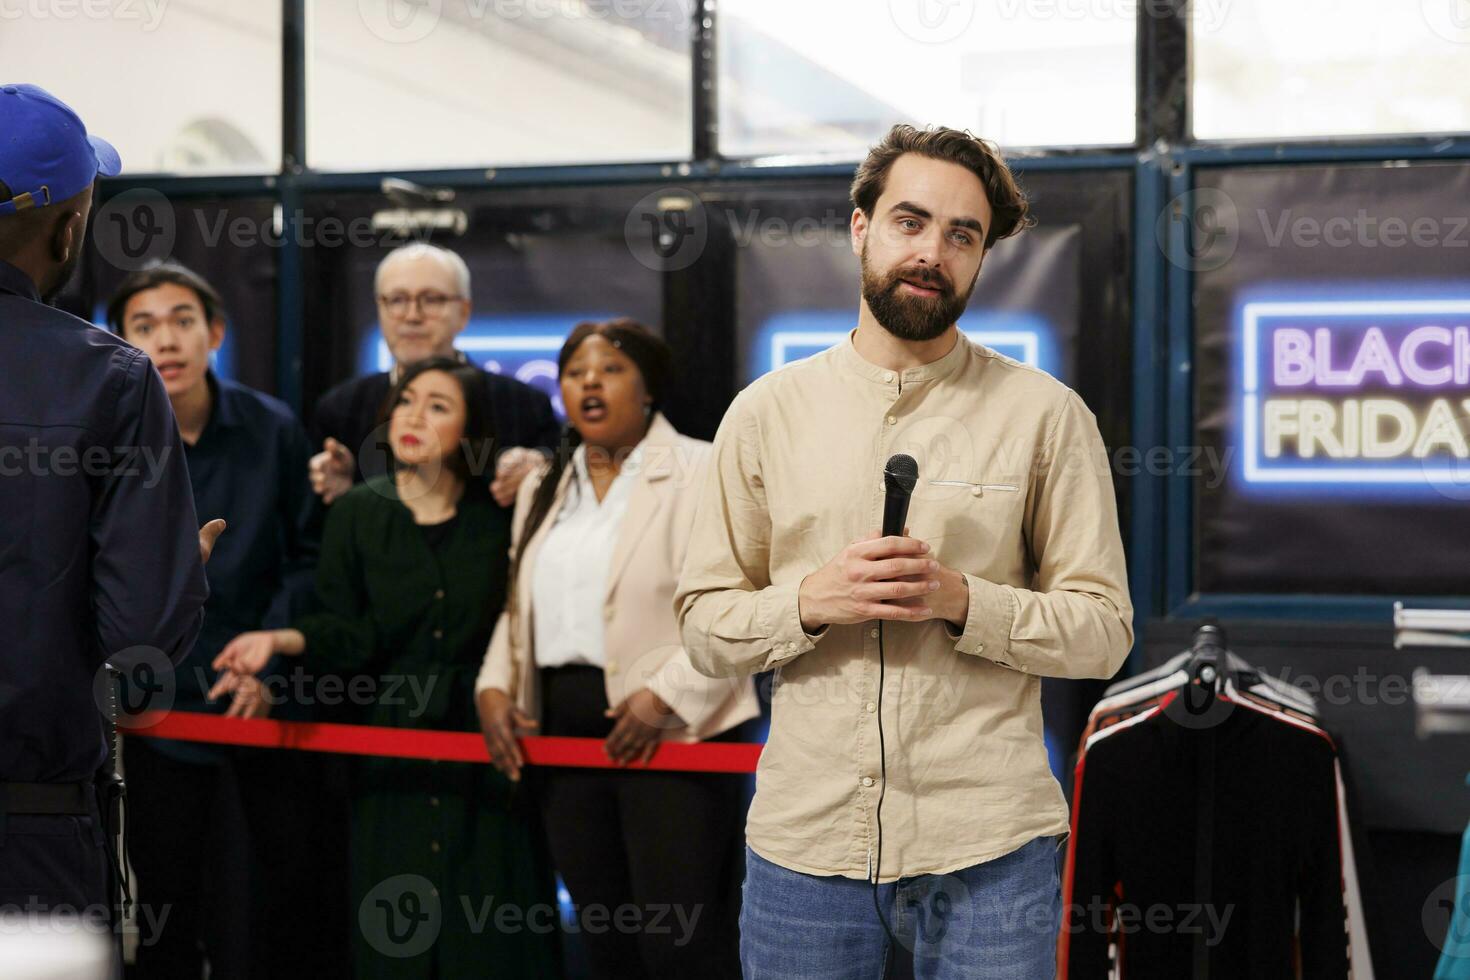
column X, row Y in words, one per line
column 12, row 280
column 223, row 412
column 395, row 371
column 851, row 360
column 631, row 465
column 224, row 408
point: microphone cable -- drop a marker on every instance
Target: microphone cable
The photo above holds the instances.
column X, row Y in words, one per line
column 878, row 813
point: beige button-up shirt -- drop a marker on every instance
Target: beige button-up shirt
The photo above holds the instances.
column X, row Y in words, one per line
column 1015, row 492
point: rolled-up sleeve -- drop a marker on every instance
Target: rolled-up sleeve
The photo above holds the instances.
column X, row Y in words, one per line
column 732, row 619
column 1077, row 619
column 148, row 587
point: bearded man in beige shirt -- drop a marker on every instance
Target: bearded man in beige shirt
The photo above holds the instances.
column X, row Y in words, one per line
column 904, row 792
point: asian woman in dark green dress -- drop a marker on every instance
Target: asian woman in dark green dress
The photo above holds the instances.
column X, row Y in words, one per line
column 449, row 878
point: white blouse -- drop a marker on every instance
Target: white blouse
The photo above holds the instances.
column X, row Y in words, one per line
column 569, row 580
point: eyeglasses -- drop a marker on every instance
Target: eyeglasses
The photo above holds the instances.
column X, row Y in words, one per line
column 432, row 304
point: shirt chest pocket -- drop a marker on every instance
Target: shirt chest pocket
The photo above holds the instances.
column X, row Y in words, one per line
column 969, row 523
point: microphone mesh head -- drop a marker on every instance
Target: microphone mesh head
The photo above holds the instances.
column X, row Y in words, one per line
column 902, row 470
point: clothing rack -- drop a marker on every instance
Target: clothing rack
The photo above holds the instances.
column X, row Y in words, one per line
column 1430, row 627
column 1441, row 701
column 1441, row 704
column 1207, row 663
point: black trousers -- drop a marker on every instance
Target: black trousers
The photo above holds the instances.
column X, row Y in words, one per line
column 54, row 864
column 233, row 866
column 60, row 866
column 652, row 860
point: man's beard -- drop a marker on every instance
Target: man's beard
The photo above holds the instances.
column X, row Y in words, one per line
column 910, row 317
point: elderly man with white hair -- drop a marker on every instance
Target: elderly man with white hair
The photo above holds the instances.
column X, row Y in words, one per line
column 423, row 294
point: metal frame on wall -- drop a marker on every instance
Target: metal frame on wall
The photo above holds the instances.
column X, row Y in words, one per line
column 1164, row 160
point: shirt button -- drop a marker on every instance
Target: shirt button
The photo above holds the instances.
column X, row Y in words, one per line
column 867, row 780
column 612, row 668
column 873, row 632
column 892, row 420
column 979, row 648
column 439, row 594
column 977, row 491
column 888, row 377
column 438, row 634
column 871, row 706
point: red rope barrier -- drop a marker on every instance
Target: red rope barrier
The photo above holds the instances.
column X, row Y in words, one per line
column 414, row 743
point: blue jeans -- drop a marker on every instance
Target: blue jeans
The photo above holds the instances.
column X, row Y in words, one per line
column 993, row 921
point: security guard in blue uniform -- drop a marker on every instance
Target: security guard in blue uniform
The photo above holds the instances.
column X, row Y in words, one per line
column 101, row 558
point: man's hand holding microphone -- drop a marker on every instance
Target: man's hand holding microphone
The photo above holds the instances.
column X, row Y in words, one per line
column 887, row 574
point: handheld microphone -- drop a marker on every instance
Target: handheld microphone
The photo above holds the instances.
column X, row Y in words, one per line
column 900, row 476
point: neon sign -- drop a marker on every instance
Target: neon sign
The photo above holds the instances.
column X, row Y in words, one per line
column 1355, row 391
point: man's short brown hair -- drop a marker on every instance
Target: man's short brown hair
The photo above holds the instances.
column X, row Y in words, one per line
column 1008, row 204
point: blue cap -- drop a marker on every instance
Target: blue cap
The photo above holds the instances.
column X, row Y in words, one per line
column 46, row 155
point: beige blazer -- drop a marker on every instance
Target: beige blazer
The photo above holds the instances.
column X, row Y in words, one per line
column 642, row 641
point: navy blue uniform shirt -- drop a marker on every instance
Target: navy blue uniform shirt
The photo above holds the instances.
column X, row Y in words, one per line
column 249, row 467
column 99, row 543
